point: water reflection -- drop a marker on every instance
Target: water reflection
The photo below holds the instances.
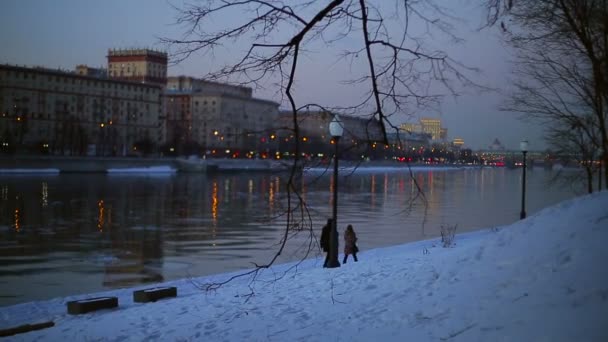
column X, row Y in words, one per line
column 71, row 234
column 45, row 194
column 100, row 216
column 16, row 224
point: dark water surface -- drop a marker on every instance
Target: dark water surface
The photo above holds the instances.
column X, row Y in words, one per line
column 79, row 233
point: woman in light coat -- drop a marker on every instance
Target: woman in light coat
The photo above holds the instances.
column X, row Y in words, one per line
column 350, row 243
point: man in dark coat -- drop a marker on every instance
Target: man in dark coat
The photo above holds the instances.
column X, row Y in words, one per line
column 325, row 240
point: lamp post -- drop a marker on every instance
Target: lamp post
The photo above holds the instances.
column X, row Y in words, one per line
column 523, row 146
column 335, row 130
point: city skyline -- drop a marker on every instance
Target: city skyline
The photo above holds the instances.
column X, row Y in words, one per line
column 66, row 33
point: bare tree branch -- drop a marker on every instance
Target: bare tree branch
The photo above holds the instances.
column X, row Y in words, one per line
column 403, row 75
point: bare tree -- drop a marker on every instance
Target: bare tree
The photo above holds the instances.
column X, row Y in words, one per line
column 403, row 73
column 576, row 144
column 562, row 67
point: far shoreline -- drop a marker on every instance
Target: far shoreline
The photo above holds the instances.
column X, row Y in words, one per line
column 23, row 165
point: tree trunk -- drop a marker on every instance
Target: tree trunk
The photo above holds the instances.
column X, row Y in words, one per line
column 589, row 171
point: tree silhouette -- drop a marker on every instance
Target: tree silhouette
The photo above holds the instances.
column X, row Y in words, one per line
column 561, row 69
column 402, row 73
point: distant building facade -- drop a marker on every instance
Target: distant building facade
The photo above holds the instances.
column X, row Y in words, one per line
column 71, row 113
column 411, row 127
column 361, row 135
column 429, row 126
column 138, row 65
column 220, row 119
column 432, row 127
column 85, row 70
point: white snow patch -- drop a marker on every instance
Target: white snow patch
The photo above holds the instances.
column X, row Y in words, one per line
column 144, row 170
column 374, row 169
column 29, row 171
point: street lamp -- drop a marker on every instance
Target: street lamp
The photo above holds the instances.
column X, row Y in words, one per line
column 523, row 146
column 335, row 130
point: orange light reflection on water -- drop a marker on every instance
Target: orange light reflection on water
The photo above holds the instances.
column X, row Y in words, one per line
column 17, row 218
column 100, row 215
column 214, row 203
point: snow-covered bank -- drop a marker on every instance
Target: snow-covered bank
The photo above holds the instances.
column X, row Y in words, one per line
column 124, row 170
column 540, row 279
column 28, row 171
column 388, row 168
column 143, row 170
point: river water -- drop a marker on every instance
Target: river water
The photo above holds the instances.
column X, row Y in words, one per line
column 80, row 233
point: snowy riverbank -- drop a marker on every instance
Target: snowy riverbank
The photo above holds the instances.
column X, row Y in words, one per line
column 31, row 165
column 540, row 279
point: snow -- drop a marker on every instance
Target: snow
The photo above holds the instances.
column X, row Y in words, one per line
column 376, row 169
column 148, row 170
column 540, row 279
column 144, row 170
column 29, row 171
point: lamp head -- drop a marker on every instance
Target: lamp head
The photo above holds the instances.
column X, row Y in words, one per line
column 336, row 129
column 523, row 145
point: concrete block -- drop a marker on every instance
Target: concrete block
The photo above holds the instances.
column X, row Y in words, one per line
column 91, row 304
column 154, row 294
column 26, row 328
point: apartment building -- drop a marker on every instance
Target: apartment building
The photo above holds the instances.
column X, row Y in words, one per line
column 138, row 65
column 72, row 113
column 218, row 119
column 430, row 126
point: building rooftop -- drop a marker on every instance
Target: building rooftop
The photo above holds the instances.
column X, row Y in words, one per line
column 136, row 52
column 73, row 73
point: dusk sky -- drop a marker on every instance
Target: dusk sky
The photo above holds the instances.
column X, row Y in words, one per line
column 64, row 33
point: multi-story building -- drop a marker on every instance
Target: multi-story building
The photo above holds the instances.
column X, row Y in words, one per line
column 219, row 119
column 443, row 134
column 411, row 127
column 432, row 127
column 85, row 70
column 360, row 134
column 427, row 125
column 60, row 112
column 189, row 84
column 138, row 65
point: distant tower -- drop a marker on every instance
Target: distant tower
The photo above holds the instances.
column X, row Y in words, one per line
column 138, row 65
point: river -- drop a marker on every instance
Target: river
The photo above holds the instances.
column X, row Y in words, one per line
column 68, row 234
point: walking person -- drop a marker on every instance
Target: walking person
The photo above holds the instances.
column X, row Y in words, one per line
column 350, row 243
column 325, row 240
